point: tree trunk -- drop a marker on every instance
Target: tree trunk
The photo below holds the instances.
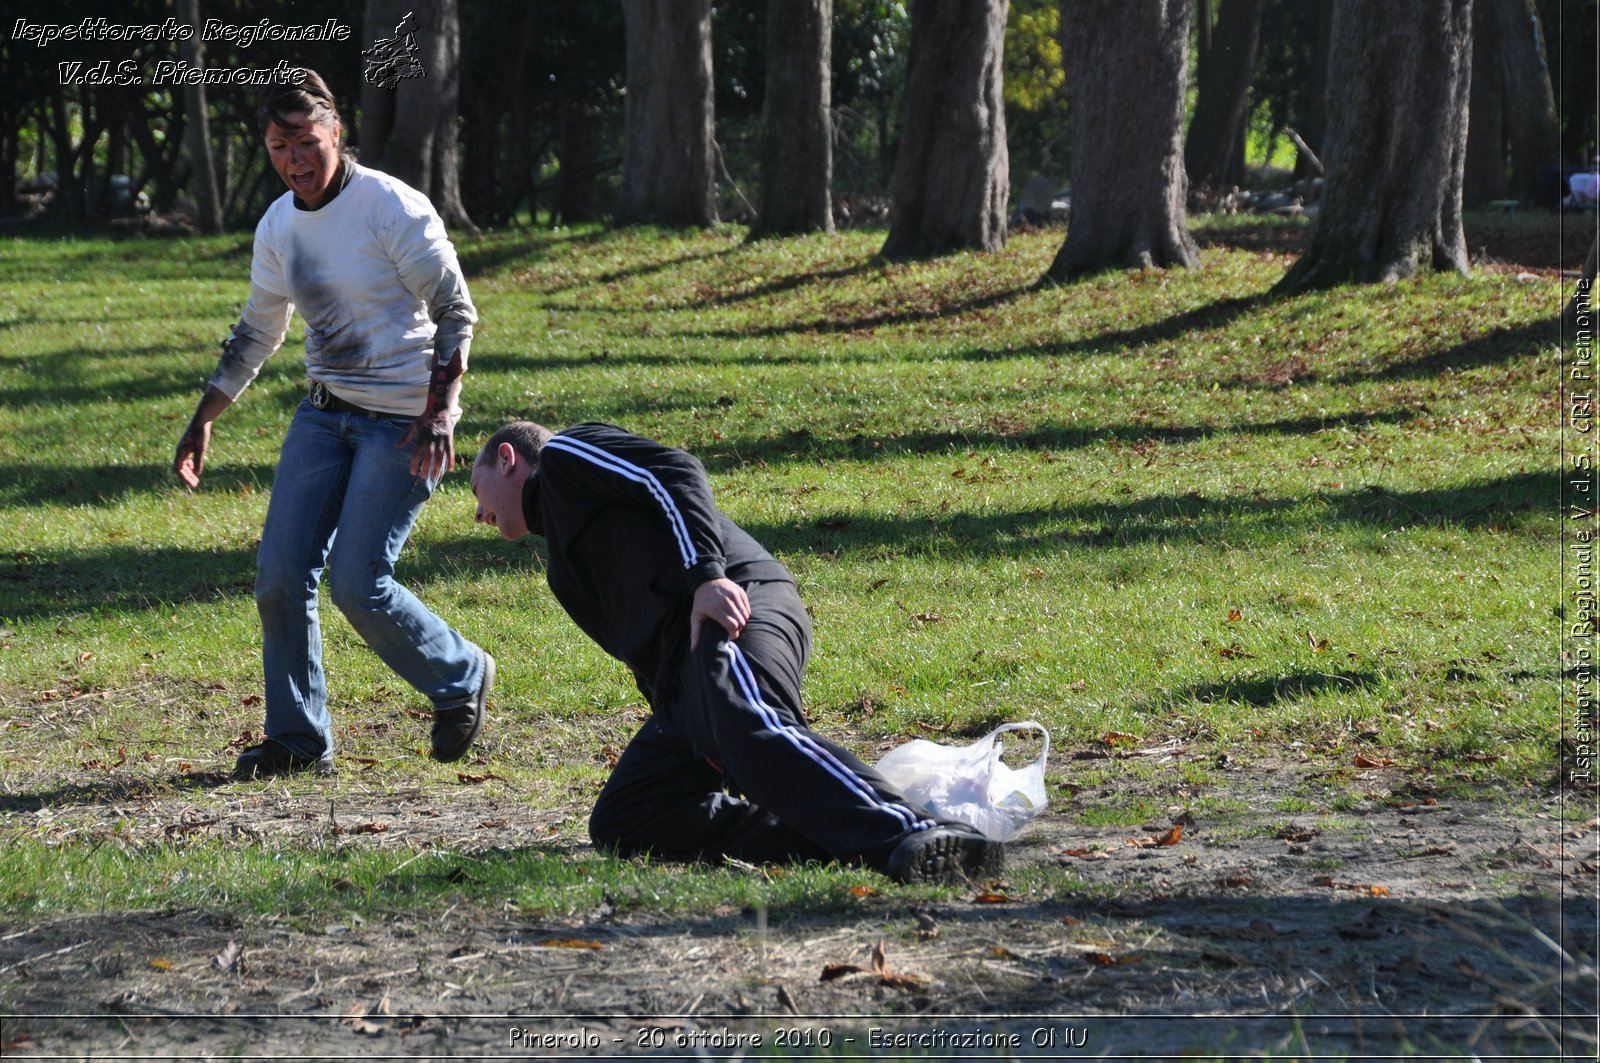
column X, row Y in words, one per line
column 1396, row 145
column 1313, row 131
column 1531, row 125
column 796, row 129
column 951, row 171
column 377, row 101
column 10, row 149
column 579, row 150
column 203, row 180
column 422, row 147
column 668, row 166
column 159, row 158
column 1484, row 179
column 1213, row 155
column 1127, row 68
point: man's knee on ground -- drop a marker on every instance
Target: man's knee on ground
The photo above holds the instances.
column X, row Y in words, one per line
column 608, row 833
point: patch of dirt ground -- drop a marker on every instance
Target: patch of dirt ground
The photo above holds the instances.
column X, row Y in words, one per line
column 1401, row 922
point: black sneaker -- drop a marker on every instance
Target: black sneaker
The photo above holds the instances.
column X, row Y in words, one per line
column 274, row 758
column 454, row 730
column 949, row 852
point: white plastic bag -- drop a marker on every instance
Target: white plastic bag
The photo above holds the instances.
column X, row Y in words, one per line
column 971, row 783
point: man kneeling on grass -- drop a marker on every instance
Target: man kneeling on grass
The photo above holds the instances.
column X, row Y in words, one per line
column 716, row 637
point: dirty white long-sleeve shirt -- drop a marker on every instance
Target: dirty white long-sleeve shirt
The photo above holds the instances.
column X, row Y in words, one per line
column 377, row 281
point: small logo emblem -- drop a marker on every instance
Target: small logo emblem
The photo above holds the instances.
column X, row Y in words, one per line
column 391, row 60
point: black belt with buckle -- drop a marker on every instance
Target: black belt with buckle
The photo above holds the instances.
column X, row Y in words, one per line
column 323, row 399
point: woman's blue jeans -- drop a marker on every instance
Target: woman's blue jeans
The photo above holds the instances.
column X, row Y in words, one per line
column 343, row 486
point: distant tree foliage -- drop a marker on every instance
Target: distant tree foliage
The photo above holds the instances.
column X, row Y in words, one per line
column 1037, row 132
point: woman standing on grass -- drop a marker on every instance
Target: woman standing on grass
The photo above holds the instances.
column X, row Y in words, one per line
column 388, row 323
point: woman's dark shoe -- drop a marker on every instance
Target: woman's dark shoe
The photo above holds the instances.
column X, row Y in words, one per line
column 454, row 730
column 272, row 758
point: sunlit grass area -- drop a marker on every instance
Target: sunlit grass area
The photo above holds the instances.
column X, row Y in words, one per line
column 1161, row 505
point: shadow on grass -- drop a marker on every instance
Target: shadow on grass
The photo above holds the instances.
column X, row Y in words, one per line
column 1210, row 316
column 111, row 790
column 646, row 269
column 1498, row 347
column 1497, row 503
column 791, row 282
column 485, row 256
column 55, row 379
column 132, row 577
column 1263, row 691
column 866, row 322
column 25, row 486
column 801, row 446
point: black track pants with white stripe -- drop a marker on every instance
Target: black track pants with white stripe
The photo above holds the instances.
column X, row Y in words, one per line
column 729, row 766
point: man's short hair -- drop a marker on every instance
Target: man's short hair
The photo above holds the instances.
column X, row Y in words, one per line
column 525, row 437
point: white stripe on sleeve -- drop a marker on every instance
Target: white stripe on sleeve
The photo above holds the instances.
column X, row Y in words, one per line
column 611, row 463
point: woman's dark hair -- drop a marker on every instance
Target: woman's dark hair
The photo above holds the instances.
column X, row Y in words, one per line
column 308, row 94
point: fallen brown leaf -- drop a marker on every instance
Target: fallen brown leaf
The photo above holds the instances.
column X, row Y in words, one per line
column 834, row 971
column 1172, row 837
column 1087, row 854
column 568, row 943
column 371, row 828
column 1119, row 738
column 991, row 898
column 863, row 891
column 475, row 779
column 160, row 963
column 1364, row 761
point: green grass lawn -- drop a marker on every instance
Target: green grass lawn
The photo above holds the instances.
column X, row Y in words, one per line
column 1166, row 505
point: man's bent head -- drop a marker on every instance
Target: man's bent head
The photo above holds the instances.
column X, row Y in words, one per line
column 504, row 464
